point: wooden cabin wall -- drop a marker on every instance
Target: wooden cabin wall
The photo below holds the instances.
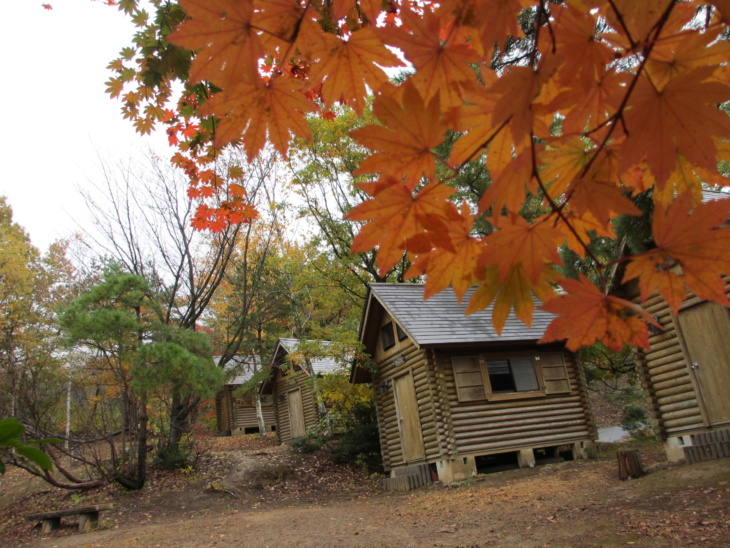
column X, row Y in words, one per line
column 245, row 413
column 224, row 409
column 485, row 427
column 283, row 383
column 665, row 373
column 401, row 359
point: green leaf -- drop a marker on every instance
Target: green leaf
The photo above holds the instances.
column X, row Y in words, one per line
column 36, row 456
column 10, row 430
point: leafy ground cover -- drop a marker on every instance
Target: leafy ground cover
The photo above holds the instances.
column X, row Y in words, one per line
column 250, row 491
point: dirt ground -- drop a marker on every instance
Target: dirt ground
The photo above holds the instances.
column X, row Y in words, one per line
column 251, row 492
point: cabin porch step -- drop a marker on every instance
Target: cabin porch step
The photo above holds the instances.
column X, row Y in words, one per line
column 708, row 446
column 407, row 478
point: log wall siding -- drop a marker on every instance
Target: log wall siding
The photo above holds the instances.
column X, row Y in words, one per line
column 485, row 427
column 224, row 409
column 442, row 410
column 282, row 385
column 415, row 360
column 664, row 372
column 246, row 416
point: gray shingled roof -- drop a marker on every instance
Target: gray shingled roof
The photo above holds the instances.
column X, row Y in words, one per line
column 320, row 365
column 710, row 195
column 440, row 319
column 239, row 368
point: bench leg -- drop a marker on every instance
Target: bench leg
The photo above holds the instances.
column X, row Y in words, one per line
column 50, row 524
column 88, row 521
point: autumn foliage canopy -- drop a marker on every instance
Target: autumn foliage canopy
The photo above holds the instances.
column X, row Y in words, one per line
column 582, row 104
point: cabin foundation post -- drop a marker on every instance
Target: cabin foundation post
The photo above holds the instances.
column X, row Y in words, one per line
column 526, row 458
column 674, row 447
column 456, row 469
column 580, row 449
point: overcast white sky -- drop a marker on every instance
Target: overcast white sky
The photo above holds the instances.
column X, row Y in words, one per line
column 58, row 122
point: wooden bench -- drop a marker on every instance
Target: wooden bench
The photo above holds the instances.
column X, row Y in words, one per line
column 88, row 517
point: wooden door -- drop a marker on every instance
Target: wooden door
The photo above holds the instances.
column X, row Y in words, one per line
column 409, row 424
column 706, row 333
column 296, row 413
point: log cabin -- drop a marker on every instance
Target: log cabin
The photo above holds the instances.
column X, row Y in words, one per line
column 453, row 395
column 685, row 373
column 236, row 413
column 291, row 388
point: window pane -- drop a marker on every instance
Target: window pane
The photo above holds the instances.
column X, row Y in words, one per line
column 523, row 371
column 387, row 337
column 500, row 376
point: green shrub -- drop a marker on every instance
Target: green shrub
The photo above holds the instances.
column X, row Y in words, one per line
column 359, row 442
column 634, row 417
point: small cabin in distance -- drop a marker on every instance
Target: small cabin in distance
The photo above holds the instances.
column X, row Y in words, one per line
column 236, row 414
column 685, row 372
column 295, row 406
column 451, row 394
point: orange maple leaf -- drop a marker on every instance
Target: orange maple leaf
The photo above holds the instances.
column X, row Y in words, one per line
column 454, row 266
column 440, row 52
column 692, row 251
column 494, row 20
column 681, row 118
column 514, row 292
column 519, row 243
column 255, row 109
column 227, row 44
column 403, row 146
column 395, row 215
column 585, row 315
column 356, row 63
column 585, row 58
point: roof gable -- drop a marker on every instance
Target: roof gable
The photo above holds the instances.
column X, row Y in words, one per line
column 320, row 365
column 441, row 320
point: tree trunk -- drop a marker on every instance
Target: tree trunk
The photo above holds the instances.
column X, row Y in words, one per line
column 180, row 411
column 629, row 464
column 260, row 414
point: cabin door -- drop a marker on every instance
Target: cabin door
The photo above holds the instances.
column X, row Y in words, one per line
column 706, row 332
column 296, row 413
column 409, row 425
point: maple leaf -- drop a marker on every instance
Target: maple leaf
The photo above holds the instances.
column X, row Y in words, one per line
column 681, row 118
column 227, row 44
column 454, row 266
column 518, row 243
column 692, row 251
column 585, row 315
column 589, row 102
column 254, row 110
column 395, row 215
column 508, row 189
column 494, row 20
column 404, row 144
column 562, row 160
column 356, row 62
column 684, row 51
column 514, row 292
column 585, row 58
column 577, row 230
column 440, row 52
column 474, row 118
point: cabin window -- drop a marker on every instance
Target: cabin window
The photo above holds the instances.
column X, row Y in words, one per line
column 400, row 333
column 489, row 376
column 512, row 375
column 387, row 336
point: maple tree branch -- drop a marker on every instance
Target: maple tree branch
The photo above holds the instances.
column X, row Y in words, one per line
column 620, row 18
column 559, row 209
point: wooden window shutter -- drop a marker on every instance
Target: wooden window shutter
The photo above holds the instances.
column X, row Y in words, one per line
column 554, row 372
column 468, row 378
